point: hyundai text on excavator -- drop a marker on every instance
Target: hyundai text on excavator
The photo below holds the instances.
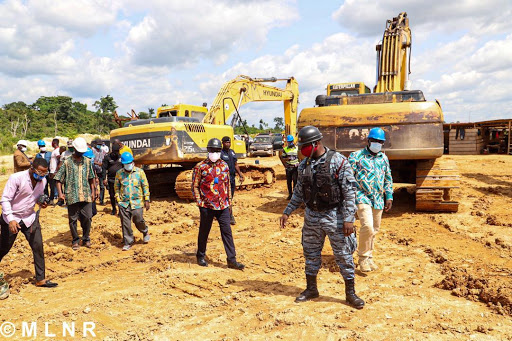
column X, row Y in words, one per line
column 178, row 136
column 413, row 126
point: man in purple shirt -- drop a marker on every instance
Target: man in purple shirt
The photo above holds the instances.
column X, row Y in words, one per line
column 21, row 193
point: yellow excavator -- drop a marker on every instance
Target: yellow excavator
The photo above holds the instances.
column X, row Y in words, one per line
column 413, row 126
column 176, row 139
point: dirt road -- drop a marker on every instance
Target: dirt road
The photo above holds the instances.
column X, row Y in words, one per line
column 442, row 276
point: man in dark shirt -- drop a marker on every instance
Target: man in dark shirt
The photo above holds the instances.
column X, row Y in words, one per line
column 228, row 155
column 111, row 164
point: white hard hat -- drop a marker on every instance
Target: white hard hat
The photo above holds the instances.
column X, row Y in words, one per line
column 22, row 142
column 80, row 145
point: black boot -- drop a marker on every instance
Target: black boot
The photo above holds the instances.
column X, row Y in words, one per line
column 351, row 296
column 310, row 292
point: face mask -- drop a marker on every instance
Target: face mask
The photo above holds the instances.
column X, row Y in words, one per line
column 98, row 146
column 375, row 147
column 42, row 149
column 71, row 149
column 23, row 149
column 307, row 151
column 128, row 167
column 37, row 177
column 214, row 156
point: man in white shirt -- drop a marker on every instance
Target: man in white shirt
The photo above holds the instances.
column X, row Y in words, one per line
column 54, row 162
column 21, row 193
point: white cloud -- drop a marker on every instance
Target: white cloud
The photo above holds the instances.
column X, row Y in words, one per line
column 368, row 17
column 182, row 33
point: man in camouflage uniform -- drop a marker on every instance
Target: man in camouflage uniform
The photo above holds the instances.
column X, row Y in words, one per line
column 326, row 186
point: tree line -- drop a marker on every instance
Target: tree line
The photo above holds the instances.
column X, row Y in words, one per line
column 52, row 116
column 56, row 116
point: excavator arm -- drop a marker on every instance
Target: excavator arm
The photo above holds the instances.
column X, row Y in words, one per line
column 393, row 56
column 244, row 89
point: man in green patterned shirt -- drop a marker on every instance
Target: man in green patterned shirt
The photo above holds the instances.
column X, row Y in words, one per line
column 77, row 176
column 374, row 192
column 132, row 193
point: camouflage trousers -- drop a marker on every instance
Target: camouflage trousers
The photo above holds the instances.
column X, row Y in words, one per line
column 318, row 225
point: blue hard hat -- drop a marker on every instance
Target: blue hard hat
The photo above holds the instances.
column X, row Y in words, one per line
column 289, row 138
column 89, row 153
column 377, row 134
column 126, row 157
column 41, row 143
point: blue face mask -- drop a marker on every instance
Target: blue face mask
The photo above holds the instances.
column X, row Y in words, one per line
column 37, row 177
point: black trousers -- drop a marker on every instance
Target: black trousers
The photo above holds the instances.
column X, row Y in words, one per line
column 112, row 194
column 101, row 177
column 53, row 189
column 233, row 184
column 205, row 225
column 34, row 238
column 80, row 211
column 291, row 176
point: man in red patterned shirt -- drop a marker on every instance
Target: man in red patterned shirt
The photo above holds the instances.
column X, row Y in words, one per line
column 211, row 189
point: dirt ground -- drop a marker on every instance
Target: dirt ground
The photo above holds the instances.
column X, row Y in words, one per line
column 442, row 276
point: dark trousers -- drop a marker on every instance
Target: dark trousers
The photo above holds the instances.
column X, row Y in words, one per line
column 205, row 225
column 112, row 194
column 34, row 238
column 291, row 176
column 47, row 187
column 233, row 184
column 127, row 215
column 53, row 189
column 80, row 211
column 101, row 177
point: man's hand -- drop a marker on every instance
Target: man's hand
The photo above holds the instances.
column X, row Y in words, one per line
column 43, row 205
column 14, row 227
column 62, row 196
column 241, row 178
column 105, row 182
column 283, row 220
column 388, row 205
column 146, row 205
column 348, row 228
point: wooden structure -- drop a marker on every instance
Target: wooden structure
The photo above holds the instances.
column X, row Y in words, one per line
column 488, row 136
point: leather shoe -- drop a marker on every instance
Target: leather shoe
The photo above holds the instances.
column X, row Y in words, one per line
column 201, row 261
column 236, row 265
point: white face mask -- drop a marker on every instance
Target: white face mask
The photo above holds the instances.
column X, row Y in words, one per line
column 375, row 147
column 43, row 149
column 128, row 167
column 23, row 149
column 214, row 156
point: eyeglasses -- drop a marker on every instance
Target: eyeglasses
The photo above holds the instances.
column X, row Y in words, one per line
column 39, row 173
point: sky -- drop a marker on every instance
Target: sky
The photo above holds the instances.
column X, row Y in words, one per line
column 153, row 52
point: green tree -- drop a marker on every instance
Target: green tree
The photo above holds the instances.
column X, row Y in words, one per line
column 279, row 121
column 105, row 108
column 151, row 112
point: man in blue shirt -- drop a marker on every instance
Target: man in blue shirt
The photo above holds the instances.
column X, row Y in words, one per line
column 374, row 186
column 228, row 155
column 44, row 154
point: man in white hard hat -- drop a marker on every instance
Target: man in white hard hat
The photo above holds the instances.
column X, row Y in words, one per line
column 77, row 176
column 21, row 160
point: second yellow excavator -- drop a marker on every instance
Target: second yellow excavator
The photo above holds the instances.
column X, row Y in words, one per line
column 413, row 126
column 176, row 139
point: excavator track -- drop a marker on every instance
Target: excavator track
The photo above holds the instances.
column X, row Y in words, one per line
column 255, row 176
column 435, row 184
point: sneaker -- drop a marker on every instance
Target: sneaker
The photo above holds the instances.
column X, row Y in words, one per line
column 236, row 265
column 4, row 288
column 127, row 247
column 364, row 265
column 146, row 238
column 373, row 266
column 232, row 222
column 114, row 212
column 201, row 261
